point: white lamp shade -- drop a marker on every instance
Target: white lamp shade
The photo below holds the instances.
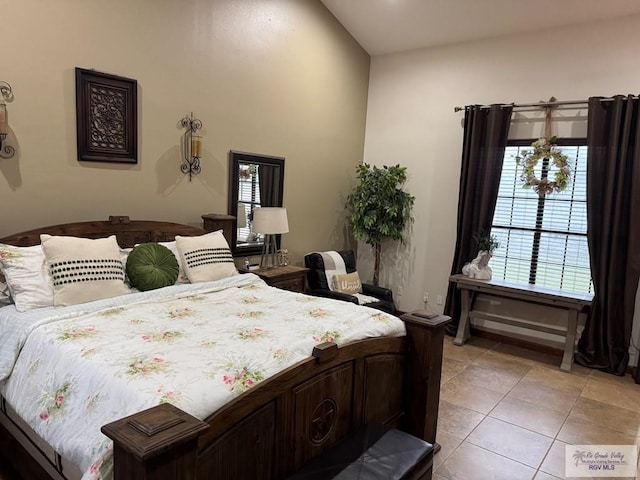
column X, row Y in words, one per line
column 242, row 215
column 270, row 220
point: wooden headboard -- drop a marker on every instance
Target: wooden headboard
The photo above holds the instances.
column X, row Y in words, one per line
column 128, row 232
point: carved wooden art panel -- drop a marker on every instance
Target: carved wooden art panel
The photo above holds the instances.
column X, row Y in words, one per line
column 106, row 107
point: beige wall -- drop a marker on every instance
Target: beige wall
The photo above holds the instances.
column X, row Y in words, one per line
column 410, row 120
column 279, row 78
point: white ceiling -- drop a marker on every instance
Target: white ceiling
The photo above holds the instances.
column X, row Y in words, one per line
column 390, row 26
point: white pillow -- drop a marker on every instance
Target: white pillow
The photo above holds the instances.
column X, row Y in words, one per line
column 82, row 269
column 206, row 258
column 124, row 254
column 27, row 276
column 182, row 276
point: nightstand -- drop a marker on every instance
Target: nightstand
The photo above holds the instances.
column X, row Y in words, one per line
column 289, row 277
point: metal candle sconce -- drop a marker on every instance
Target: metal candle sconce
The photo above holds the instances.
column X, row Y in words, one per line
column 192, row 146
column 5, row 94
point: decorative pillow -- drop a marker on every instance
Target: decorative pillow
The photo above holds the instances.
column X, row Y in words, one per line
column 27, row 276
column 82, row 269
column 182, row 277
column 124, row 254
column 151, row 266
column 347, row 283
column 206, row 257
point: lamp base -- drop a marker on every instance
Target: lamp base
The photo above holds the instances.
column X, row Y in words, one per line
column 269, row 257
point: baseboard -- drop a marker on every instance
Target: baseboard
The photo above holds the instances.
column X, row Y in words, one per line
column 536, row 347
column 517, row 342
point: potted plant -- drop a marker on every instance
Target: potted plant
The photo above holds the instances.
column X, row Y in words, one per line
column 487, row 242
column 378, row 208
column 479, row 267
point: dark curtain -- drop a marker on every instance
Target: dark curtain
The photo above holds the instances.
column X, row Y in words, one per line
column 613, row 231
column 485, row 139
column 269, row 185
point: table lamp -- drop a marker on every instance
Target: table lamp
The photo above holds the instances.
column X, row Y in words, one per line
column 270, row 221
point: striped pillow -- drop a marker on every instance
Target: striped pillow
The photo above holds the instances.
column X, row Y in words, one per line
column 83, row 269
column 206, row 258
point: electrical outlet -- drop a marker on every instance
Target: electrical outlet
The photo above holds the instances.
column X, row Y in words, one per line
column 439, row 300
column 425, row 297
column 399, row 291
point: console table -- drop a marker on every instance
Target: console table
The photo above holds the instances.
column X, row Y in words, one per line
column 573, row 303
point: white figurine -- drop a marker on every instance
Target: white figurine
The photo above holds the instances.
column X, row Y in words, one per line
column 479, row 267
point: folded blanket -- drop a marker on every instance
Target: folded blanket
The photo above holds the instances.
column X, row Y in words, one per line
column 333, row 265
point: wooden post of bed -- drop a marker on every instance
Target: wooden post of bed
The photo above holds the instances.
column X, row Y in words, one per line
column 425, row 337
column 157, row 444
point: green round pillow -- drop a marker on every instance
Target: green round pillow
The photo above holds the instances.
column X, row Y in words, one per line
column 151, row 266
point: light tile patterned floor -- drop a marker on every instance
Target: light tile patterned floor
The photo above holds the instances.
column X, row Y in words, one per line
column 506, row 413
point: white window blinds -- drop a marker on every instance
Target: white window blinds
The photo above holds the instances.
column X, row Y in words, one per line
column 249, row 198
column 543, row 239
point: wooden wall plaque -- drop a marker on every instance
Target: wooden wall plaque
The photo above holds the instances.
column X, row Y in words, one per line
column 107, row 120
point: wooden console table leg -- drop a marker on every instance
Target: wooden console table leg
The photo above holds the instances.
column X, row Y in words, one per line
column 464, row 331
column 572, row 326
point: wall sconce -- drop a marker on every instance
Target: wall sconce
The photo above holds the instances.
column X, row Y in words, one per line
column 5, row 94
column 270, row 221
column 192, row 146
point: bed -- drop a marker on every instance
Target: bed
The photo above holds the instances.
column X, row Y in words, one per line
column 283, row 409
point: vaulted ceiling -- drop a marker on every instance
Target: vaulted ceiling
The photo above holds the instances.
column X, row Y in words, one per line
column 390, row 26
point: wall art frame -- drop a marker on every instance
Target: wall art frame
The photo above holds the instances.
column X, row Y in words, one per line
column 107, row 117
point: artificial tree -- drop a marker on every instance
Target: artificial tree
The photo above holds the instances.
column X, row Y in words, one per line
column 378, row 208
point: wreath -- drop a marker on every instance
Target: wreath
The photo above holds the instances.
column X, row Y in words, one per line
column 247, row 171
column 546, row 150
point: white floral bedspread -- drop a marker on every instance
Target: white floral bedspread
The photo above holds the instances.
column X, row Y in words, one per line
column 195, row 346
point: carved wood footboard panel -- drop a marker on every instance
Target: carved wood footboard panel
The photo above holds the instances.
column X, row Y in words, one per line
column 314, row 409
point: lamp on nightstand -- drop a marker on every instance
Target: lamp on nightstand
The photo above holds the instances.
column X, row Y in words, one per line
column 270, row 221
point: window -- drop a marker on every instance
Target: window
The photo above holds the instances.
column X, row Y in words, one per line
column 543, row 240
column 248, row 198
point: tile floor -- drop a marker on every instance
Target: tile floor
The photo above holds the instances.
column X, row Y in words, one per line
column 506, row 413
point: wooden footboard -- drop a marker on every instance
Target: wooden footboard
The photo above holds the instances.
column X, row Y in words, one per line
column 272, row 430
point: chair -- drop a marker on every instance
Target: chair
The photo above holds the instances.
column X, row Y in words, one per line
column 323, row 268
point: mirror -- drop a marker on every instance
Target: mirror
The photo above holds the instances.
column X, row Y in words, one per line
column 254, row 181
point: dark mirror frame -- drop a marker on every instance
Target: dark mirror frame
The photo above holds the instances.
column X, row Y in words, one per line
column 235, row 160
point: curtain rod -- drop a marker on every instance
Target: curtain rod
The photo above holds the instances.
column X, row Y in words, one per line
column 535, row 104
column 550, row 103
